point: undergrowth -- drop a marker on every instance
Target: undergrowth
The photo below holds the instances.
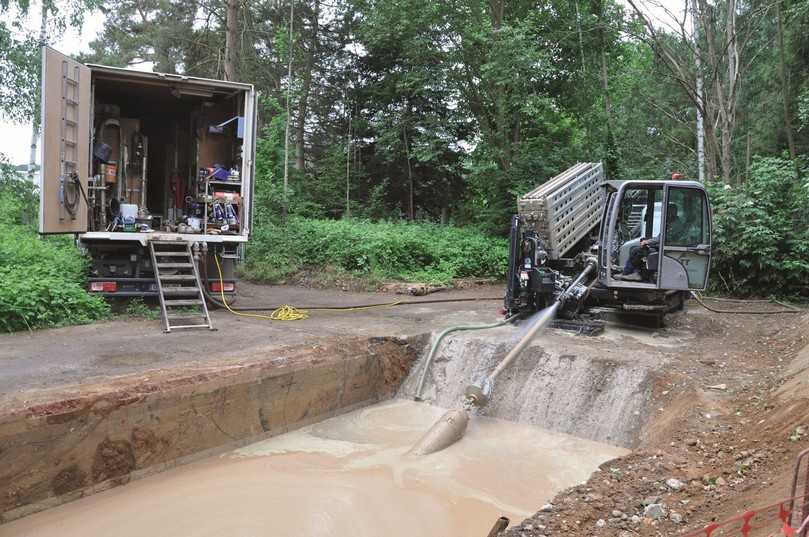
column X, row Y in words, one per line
column 137, row 307
column 401, row 251
column 761, row 232
column 42, row 278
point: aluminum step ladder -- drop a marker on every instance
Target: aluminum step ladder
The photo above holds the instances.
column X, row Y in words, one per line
column 179, row 286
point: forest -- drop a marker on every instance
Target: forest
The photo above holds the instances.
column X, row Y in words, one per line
column 443, row 113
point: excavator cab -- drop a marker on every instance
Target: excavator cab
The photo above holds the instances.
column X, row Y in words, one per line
column 655, row 235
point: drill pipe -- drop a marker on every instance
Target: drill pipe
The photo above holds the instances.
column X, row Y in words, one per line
column 548, row 314
column 452, row 425
column 445, row 432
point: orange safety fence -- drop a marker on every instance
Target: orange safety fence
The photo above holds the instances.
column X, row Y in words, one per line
column 756, row 522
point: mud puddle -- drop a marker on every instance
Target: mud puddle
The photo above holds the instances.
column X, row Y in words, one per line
column 347, row 476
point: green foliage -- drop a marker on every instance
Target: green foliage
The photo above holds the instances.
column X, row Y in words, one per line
column 138, row 308
column 20, row 50
column 19, row 61
column 411, row 252
column 43, row 282
column 761, row 232
column 42, row 278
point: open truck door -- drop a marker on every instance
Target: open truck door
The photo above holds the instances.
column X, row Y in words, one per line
column 65, row 143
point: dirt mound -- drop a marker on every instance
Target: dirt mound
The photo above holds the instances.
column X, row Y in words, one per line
column 732, row 415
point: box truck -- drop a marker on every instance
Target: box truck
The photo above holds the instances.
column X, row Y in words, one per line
column 152, row 172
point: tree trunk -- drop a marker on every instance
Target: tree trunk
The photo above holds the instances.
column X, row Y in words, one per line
column 231, row 38
column 711, row 148
column 611, row 160
column 581, row 39
column 306, row 84
column 410, row 209
column 285, row 201
column 348, row 168
column 700, row 95
column 784, row 82
column 727, row 156
column 747, row 157
column 32, row 160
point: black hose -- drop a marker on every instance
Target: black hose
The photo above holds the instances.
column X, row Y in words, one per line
column 218, row 303
column 743, row 312
column 71, row 203
column 337, row 308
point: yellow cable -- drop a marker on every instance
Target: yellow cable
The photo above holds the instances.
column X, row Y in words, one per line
column 283, row 313
column 287, row 312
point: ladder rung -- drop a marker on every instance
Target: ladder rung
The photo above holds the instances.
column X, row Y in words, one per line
column 171, row 253
column 175, row 291
column 192, row 315
column 177, row 277
column 177, row 327
column 70, row 101
column 70, row 122
column 161, row 243
column 71, row 82
column 177, row 303
column 174, row 265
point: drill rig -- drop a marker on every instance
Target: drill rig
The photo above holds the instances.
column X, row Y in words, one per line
column 634, row 247
column 641, row 265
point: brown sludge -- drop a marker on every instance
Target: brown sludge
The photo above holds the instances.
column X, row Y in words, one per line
column 347, row 476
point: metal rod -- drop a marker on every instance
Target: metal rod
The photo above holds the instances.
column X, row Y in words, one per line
column 499, row 525
column 547, row 315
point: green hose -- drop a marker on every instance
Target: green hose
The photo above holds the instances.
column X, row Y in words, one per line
column 440, row 338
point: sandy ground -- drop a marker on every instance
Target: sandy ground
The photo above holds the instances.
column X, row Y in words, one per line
column 47, row 359
column 726, row 424
column 721, row 437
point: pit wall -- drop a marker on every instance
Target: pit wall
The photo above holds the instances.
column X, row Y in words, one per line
column 566, row 383
column 68, row 448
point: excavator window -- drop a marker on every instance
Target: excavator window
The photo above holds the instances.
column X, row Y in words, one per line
column 686, row 218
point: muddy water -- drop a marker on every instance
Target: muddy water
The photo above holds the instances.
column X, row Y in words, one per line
column 347, row 476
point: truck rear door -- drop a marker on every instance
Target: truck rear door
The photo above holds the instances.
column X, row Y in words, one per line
column 65, row 143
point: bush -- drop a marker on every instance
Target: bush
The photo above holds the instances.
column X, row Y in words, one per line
column 761, row 232
column 43, row 282
column 42, row 278
column 412, row 252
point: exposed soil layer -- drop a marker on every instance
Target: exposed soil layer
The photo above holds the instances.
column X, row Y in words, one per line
column 345, row 476
column 725, row 425
column 103, row 434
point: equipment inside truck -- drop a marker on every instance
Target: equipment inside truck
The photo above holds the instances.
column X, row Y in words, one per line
column 165, row 156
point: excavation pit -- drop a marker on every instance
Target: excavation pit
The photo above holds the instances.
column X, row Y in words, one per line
column 317, row 434
column 348, row 475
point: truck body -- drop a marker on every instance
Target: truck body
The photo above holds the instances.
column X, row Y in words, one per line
column 132, row 157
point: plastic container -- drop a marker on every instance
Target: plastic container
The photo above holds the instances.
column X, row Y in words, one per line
column 129, row 210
